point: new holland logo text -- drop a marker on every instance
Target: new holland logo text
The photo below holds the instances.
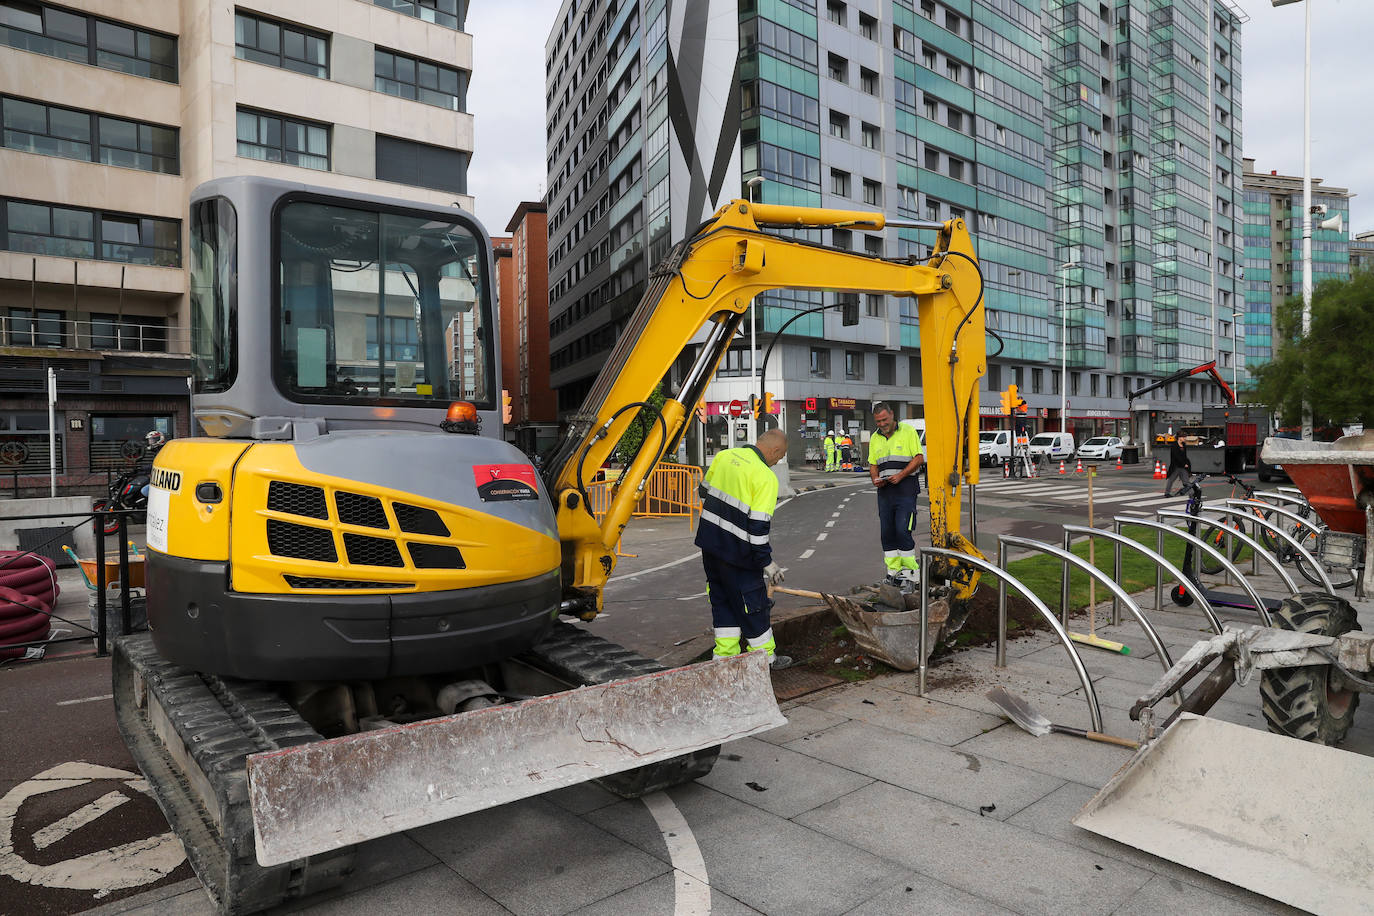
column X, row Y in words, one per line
column 167, row 480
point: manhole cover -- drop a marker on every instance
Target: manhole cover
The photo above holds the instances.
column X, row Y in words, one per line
column 790, row 683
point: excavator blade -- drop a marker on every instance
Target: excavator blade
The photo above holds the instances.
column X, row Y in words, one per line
column 1285, row 818
column 332, row 793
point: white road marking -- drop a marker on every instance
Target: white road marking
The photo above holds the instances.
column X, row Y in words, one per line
column 830, row 524
column 127, row 865
column 680, row 598
column 103, row 696
column 821, row 536
column 834, row 515
column 807, row 554
column 691, row 887
column 50, row 834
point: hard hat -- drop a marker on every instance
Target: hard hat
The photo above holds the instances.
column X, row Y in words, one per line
column 830, row 432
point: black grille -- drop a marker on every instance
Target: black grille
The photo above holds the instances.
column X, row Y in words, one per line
column 419, row 520
column 285, row 539
column 435, row 556
column 363, row 511
column 306, row 582
column 365, row 551
column 296, row 499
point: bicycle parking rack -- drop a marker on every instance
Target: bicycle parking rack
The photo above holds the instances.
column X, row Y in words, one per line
column 1283, row 498
column 1004, row 579
column 1197, row 542
column 1257, row 549
column 1298, row 520
column 1119, row 540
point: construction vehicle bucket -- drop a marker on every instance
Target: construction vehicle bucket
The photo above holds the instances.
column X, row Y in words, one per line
column 327, row 794
column 1285, row 818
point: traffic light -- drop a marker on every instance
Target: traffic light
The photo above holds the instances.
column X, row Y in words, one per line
column 768, row 407
column 505, row 405
column 754, row 404
column 1009, row 400
column 849, row 310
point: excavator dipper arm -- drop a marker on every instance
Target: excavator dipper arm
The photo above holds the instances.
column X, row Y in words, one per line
column 708, row 281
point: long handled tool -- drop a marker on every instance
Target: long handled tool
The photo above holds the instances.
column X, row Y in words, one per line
column 1091, row 638
column 1024, row 715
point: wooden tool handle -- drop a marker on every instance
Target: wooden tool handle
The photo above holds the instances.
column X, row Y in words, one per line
column 1111, row 739
column 798, row 592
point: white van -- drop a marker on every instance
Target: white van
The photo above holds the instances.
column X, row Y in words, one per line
column 994, row 446
column 1052, row 446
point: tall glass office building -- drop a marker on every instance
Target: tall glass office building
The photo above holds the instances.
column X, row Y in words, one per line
column 1092, row 147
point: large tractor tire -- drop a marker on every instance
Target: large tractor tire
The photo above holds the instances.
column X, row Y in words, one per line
column 1305, row 702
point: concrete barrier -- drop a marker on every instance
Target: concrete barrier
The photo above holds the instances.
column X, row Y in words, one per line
column 14, row 518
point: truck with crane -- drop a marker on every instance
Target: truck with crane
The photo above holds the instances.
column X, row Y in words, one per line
column 354, row 585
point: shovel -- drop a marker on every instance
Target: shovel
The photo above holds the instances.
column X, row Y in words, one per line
column 1024, row 715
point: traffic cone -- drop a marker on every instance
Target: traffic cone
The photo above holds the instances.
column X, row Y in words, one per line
column 1118, row 462
column 1079, row 468
column 1061, row 469
column 1159, row 471
column 1006, row 469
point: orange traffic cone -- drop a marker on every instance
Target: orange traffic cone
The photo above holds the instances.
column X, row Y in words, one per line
column 1159, row 471
column 1061, row 468
column 1079, row 468
column 1118, row 462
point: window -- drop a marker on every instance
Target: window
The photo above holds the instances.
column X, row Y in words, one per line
column 931, row 109
column 887, row 369
column 954, row 71
column 1037, row 380
column 873, row 193
column 868, row 27
column 842, row 239
column 448, row 13
column 113, row 436
column 1093, row 384
column 873, row 244
column 853, row 364
column 932, row 209
column 214, row 294
column 932, row 159
column 928, row 9
column 871, row 136
column 421, row 165
column 836, row 12
column 820, row 362
column 839, row 125
column 59, row 33
column 913, row 371
column 952, row 21
column 1075, row 382
column 139, row 333
column 24, row 441
column 41, row 328
column 71, row 134
column 735, row 363
column 956, row 168
column 273, row 138
column 873, row 308
column 954, row 118
column 277, row 44
column 838, row 68
column 839, row 182
column 868, row 81
column 412, row 78
column 72, row 232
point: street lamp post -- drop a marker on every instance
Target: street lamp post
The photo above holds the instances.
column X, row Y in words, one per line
column 1064, row 346
column 1306, row 188
column 754, row 421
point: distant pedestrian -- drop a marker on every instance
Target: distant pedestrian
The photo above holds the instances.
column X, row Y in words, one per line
column 895, row 457
column 739, row 495
column 831, row 461
column 1179, row 467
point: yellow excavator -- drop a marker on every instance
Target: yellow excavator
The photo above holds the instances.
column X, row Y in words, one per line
column 354, row 584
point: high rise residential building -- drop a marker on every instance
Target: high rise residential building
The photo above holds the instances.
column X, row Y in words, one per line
column 1362, row 252
column 1092, row 147
column 114, row 111
column 1273, row 249
column 525, row 331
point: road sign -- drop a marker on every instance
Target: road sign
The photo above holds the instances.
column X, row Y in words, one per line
column 736, row 408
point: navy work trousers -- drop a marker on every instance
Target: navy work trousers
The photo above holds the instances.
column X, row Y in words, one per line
column 897, row 514
column 738, row 596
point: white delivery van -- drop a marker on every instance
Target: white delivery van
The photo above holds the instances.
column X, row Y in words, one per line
column 1052, row 446
column 994, row 446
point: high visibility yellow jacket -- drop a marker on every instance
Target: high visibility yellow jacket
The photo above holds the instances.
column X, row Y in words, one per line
column 828, row 444
column 739, row 495
column 889, row 454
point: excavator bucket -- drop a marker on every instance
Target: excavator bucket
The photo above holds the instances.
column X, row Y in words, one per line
column 321, row 796
column 1285, row 818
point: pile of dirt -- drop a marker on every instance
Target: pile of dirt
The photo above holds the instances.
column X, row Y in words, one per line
column 981, row 627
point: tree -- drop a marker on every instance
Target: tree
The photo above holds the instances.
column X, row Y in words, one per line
column 1332, row 367
column 646, row 420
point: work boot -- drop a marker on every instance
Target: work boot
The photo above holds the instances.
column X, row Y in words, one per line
column 779, row 662
column 909, row 581
column 892, row 579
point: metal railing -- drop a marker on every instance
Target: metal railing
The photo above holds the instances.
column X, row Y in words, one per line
column 116, row 334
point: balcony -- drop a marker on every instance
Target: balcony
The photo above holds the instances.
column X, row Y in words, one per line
column 152, row 357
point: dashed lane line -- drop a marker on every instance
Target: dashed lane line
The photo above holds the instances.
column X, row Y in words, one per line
column 806, row 555
column 821, row 536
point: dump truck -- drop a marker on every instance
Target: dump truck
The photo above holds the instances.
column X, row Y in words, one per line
column 355, row 586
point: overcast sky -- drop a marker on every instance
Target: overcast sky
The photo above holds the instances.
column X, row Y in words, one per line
column 507, row 98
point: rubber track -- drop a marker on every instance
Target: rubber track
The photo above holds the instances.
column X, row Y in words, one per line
column 576, row 656
column 1294, row 700
column 221, row 722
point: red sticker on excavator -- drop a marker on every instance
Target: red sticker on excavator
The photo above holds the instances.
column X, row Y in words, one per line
column 499, row 482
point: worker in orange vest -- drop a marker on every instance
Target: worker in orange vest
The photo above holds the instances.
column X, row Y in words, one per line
column 847, row 451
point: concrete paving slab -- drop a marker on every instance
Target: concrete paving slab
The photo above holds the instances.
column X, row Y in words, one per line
column 1052, row 816
column 920, row 895
column 1063, row 757
column 536, row 858
column 1169, row 895
column 956, row 776
column 184, row 898
column 777, row 779
column 433, row 890
column 772, row 864
column 803, row 719
column 878, row 704
column 583, row 797
column 1015, row 868
column 657, row 898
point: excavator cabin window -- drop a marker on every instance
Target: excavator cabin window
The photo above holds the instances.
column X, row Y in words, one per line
column 379, row 307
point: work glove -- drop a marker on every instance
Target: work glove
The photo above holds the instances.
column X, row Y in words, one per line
column 773, row 573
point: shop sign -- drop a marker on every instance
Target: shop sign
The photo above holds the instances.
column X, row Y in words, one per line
column 842, row 403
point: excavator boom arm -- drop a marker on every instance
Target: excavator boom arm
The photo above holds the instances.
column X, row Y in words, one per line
column 709, row 281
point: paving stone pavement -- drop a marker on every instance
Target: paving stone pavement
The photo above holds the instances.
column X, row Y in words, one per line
column 871, row 800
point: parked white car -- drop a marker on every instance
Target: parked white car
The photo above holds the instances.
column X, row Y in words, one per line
column 1052, row 446
column 994, row 446
column 1101, row 448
